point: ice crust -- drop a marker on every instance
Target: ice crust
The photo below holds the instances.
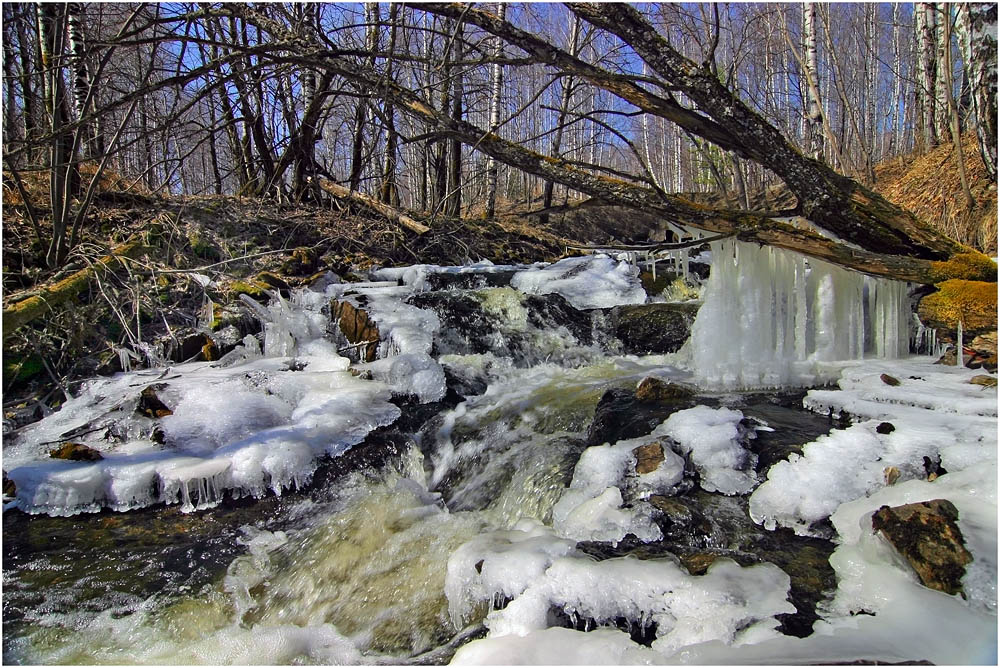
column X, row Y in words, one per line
column 592, row 281
column 935, row 413
column 591, row 508
column 712, row 438
column 252, row 424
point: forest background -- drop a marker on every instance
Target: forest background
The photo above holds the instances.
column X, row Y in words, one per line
column 161, row 159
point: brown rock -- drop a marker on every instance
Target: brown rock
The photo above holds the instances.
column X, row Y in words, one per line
column 654, row 389
column 928, row 537
column 648, row 457
column 698, row 563
column 9, row 489
column 150, row 405
column 985, row 344
column 77, row 452
column 889, row 380
column 984, row 380
column 891, row 474
column 356, row 326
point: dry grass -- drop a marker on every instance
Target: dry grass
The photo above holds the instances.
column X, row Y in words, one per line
column 930, row 186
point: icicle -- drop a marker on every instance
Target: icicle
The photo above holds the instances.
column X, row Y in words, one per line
column 959, row 354
column 771, row 318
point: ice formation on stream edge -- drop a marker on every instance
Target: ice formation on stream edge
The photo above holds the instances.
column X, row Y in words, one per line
column 259, row 419
column 936, row 412
column 773, row 318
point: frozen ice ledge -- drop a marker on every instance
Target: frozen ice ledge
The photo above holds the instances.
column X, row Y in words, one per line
column 260, row 420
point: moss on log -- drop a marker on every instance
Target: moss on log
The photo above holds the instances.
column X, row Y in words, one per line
column 21, row 313
column 972, row 302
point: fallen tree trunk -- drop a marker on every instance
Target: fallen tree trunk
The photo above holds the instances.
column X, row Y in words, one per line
column 393, row 214
column 860, row 229
column 26, row 310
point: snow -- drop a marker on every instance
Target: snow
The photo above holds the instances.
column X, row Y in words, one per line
column 592, row 281
column 712, row 437
column 591, row 508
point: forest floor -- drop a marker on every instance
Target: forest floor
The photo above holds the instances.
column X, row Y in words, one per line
column 211, row 249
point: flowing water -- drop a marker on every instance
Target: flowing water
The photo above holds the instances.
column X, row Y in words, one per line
column 307, row 522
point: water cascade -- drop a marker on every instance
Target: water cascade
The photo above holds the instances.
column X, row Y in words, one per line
column 481, row 510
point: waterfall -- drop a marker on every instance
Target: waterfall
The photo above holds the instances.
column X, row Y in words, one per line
column 773, row 317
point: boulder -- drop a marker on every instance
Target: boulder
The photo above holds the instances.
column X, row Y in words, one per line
column 648, row 457
column 356, row 326
column 653, row 328
column 77, row 452
column 984, row 380
column 928, row 537
column 654, row 389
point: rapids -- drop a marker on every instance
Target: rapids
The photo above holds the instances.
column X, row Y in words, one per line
column 476, row 487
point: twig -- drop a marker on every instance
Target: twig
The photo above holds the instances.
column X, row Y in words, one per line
column 654, row 247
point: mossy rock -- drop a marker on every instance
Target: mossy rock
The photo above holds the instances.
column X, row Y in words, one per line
column 965, row 266
column 972, row 302
column 302, row 262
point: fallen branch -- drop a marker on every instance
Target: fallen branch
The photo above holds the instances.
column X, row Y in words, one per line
column 21, row 313
column 393, row 214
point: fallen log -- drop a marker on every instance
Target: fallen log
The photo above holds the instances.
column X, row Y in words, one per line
column 26, row 310
column 393, row 214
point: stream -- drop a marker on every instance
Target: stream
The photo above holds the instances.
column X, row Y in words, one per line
column 528, row 452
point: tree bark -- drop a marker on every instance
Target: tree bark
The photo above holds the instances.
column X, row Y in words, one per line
column 496, row 100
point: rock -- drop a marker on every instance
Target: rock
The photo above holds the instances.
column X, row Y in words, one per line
column 9, row 488
column 648, row 457
column 933, row 468
column 985, row 344
column 77, row 452
column 984, row 380
column 619, row 414
column 653, row 328
column 654, row 389
column 891, row 474
column 356, row 326
column 698, row 563
column 150, row 404
column 889, row 380
column 927, row 536
column 974, row 302
column 885, row 428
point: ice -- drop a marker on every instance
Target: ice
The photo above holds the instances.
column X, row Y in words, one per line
column 417, row 374
column 771, row 318
column 210, row 415
column 255, row 425
column 556, row 646
column 935, row 413
column 591, row 508
column 499, row 564
column 722, row 604
column 712, row 437
column 592, row 281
